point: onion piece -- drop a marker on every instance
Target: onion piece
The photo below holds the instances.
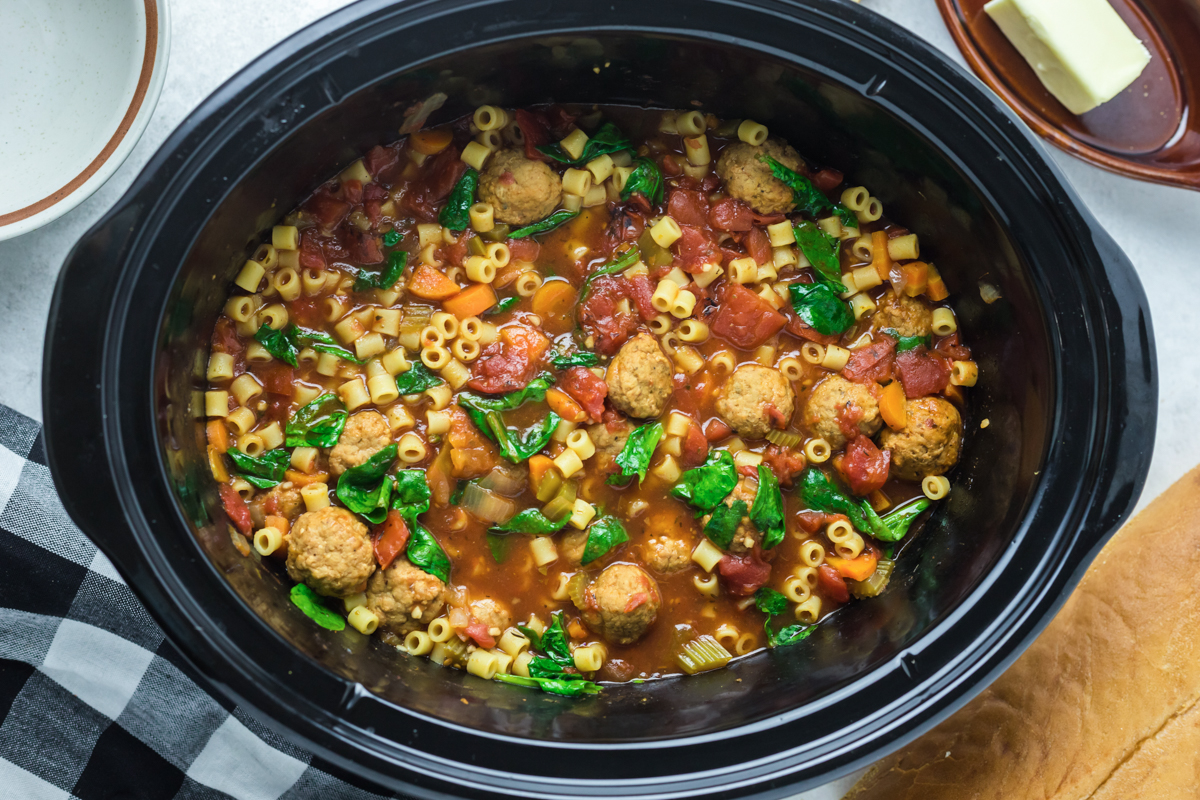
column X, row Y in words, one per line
column 504, row 480
column 487, row 506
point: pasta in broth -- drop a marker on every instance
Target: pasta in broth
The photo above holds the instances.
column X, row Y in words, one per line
column 566, row 396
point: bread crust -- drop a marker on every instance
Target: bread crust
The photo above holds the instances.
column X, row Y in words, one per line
column 1104, row 705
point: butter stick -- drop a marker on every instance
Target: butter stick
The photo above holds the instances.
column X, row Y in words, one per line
column 1082, row 51
column 1103, row 706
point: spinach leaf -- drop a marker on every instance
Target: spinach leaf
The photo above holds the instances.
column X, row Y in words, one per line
column 367, row 488
column 425, row 553
column 323, row 343
column 315, row 609
column 534, row 391
column 807, row 197
column 396, row 262
column 555, row 641
column 281, row 344
column 820, row 307
column 263, row 471
column 898, row 522
column 772, row 603
column 568, row 688
column 535, row 638
column 620, row 263
column 723, row 523
column 455, row 214
column 634, row 458
column 514, row 446
column 767, row 511
column 821, row 250
column 906, row 343
column 416, row 380
column 707, row 485
column 459, row 488
column 607, row 139
column 318, row 424
column 603, row 535
column 499, row 545
column 392, row 238
column 503, row 305
column 581, row 359
column 818, row 493
column 646, row 178
column 548, row 224
column 411, row 496
column 533, row 522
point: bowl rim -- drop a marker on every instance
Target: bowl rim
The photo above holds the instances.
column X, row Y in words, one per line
column 120, row 143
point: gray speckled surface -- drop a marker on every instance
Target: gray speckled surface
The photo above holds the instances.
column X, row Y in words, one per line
column 1157, row 226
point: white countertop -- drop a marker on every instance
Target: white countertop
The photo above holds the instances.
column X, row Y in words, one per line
column 1158, row 227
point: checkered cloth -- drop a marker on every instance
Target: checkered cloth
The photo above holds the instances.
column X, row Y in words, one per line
column 96, row 703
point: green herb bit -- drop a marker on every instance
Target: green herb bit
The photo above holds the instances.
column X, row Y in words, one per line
column 411, row 496
column 315, row 609
column 634, row 458
column 805, row 194
column 318, row 424
column 821, row 250
column 619, row 264
column 906, row 343
column 820, row 307
column 555, row 642
column 456, row 215
column 767, row 511
column 262, row 471
column 417, row 379
column 581, row 359
column 818, row 493
column 603, row 535
column 532, row 522
column 723, row 523
column 397, row 260
column 568, row 688
column 499, row 545
column 505, row 304
column 772, row 603
column 548, row 224
column 647, row 179
column 707, row 485
column 392, row 238
column 534, row 391
column 607, row 139
column 281, row 344
column 323, row 343
column 427, row 555
column 367, row 488
column 898, row 522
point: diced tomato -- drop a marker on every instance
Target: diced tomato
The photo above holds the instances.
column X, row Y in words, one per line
column 276, row 377
column 391, row 537
column 758, row 245
column 626, row 225
column 471, row 454
column 696, row 248
column 328, row 210
column 865, row 465
column 731, row 215
column 437, row 177
column 744, row 319
column 827, row 179
column 374, row 211
column 378, row 159
column 225, row 338
column 509, row 363
column 785, row 462
column 763, row 220
column 456, row 253
column 832, row 585
column 871, row 363
column 613, row 420
column 744, row 575
column 523, row 249
column 799, row 328
column 694, row 447
column 598, row 315
column 586, row 389
column 364, row 249
column 692, row 393
column 635, row 601
column 334, row 248
column 641, row 291
column 777, row 417
column 848, row 416
column 533, row 130
column 688, row 207
column 352, row 191
column 670, row 166
column 373, row 191
column 716, row 430
column 478, row 631
column 311, row 254
column 951, row 347
column 922, row 373
column 810, row 521
column 235, row 508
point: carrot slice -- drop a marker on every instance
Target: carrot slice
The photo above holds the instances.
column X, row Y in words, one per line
column 471, row 301
column 915, row 278
column 430, row 284
column 891, row 406
column 880, row 259
column 554, row 300
column 218, row 435
column 431, row 142
column 538, row 465
column 562, row 404
column 304, row 479
column 936, row 290
column 856, row 569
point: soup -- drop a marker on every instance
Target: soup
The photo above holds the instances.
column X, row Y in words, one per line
column 564, row 396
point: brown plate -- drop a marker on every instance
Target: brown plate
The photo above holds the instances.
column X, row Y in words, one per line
column 1149, row 131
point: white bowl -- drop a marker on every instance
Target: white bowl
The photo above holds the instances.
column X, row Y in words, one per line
column 80, row 79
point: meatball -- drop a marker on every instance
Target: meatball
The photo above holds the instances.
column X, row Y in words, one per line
column 330, row 551
column 282, row 501
column 571, row 546
column 520, row 190
column 666, row 555
column 756, row 399
column 836, row 403
column 749, row 179
column 640, row 378
column 622, row 603
column 908, row 316
column 928, row 444
column 491, row 614
column 405, row 597
column 365, row 434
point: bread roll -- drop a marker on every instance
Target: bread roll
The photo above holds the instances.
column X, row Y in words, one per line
column 1103, row 705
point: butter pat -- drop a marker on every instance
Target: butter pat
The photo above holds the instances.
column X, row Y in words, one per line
column 1081, row 50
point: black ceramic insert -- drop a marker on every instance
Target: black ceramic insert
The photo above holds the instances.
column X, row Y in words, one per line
column 1066, row 363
